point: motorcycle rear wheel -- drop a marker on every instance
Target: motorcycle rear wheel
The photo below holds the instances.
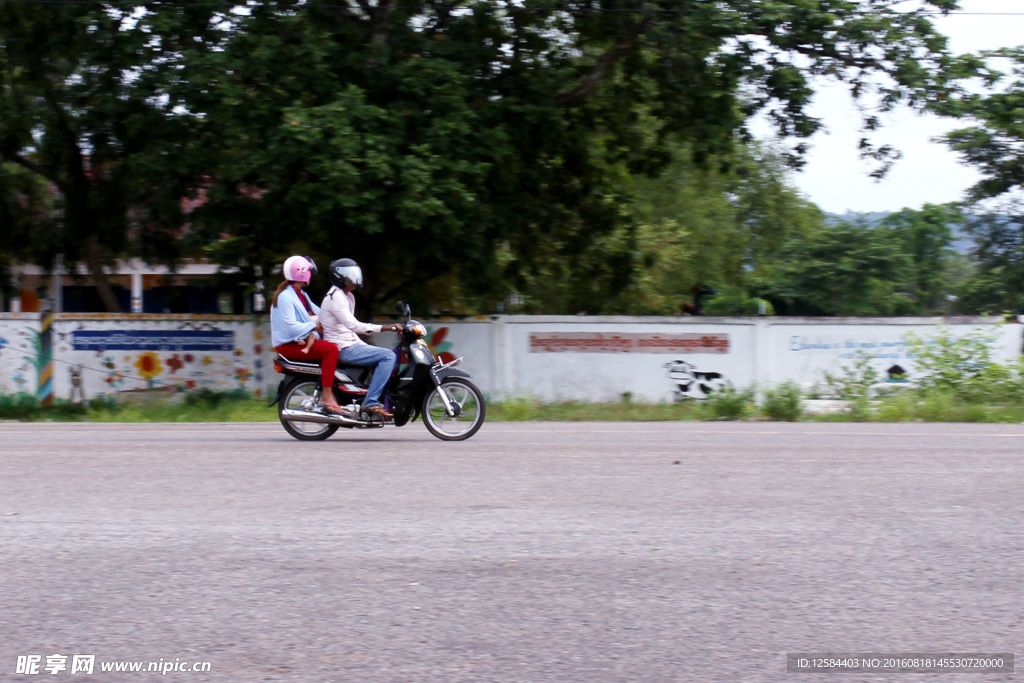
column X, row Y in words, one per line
column 300, row 396
column 472, row 410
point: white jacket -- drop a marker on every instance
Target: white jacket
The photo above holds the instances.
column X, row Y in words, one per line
column 337, row 315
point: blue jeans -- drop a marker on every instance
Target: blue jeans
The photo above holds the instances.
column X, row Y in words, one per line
column 381, row 360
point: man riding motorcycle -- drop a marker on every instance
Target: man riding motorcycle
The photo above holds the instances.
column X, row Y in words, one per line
column 341, row 327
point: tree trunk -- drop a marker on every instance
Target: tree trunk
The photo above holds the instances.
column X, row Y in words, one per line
column 100, row 279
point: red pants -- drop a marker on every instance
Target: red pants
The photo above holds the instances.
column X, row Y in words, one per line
column 325, row 352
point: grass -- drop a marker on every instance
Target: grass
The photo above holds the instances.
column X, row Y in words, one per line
column 196, row 407
column 928, row 407
column 524, row 409
column 782, row 405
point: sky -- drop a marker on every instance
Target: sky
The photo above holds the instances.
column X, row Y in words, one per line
column 838, row 181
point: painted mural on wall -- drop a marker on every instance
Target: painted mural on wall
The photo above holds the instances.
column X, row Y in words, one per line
column 648, row 360
column 20, row 353
column 810, row 352
column 437, row 340
column 104, row 355
column 546, row 357
column 846, row 346
column 690, row 383
column 599, row 342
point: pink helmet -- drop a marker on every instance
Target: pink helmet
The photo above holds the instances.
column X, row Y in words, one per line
column 297, row 269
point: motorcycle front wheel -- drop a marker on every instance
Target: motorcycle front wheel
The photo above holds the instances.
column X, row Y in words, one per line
column 302, row 396
column 469, row 407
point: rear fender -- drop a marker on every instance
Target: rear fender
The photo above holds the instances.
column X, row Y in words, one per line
column 283, row 387
column 280, row 392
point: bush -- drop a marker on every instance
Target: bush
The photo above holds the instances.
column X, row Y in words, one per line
column 25, row 407
column 205, row 398
column 854, row 381
column 784, row 403
column 728, row 404
column 735, row 301
column 901, row 407
column 959, row 364
column 18, row 406
column 854, row 384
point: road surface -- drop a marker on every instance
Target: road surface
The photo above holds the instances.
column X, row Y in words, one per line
column 532, row 552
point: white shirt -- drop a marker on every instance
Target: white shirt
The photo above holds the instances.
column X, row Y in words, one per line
column 337, row 315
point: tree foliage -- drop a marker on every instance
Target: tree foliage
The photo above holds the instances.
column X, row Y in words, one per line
column 85, row 107
column 484, row 147
column 710, row 238
column 900, row 265
column 994, row 145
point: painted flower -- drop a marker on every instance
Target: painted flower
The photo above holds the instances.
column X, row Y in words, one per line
column 439, row 346
column 243, row 374
column 207, row 360
column 258, row 348
column 175, row 363
column 149, row 365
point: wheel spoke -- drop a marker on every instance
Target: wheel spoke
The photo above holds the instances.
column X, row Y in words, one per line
column 303, row 397
column 467, row 402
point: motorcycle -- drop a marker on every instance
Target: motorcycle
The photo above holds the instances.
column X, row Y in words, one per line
column 451, row 406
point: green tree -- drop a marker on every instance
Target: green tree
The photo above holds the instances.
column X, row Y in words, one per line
column 714, row 233
column 995, row 283
column 926, row 236
column 26, row 211
column 901, row 264
column 85, row 107
column 994, row 145
column 480, row 141
column 849, row 268
column 493, row 140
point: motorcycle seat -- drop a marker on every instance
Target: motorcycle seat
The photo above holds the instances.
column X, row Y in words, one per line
column 312, row 367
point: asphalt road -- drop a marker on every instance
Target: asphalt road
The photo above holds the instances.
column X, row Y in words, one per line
column 532, row 552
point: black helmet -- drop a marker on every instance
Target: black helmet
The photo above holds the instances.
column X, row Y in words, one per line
column 345, row 272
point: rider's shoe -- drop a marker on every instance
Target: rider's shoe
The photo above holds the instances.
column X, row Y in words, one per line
column 378, row 411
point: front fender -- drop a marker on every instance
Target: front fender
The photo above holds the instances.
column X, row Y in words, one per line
column 445, row 373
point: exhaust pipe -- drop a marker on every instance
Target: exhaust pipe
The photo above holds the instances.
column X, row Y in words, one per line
column 322, row 418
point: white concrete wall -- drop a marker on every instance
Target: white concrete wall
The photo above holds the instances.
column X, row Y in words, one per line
column 601, row 358
column 546, row 357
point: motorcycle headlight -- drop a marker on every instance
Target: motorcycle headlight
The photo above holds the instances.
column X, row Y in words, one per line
column 421, row 353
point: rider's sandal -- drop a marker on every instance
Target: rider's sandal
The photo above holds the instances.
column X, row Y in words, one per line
column 330, row 410
column 379, row 411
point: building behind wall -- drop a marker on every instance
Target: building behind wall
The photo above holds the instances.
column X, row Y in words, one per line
column 198, row 287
